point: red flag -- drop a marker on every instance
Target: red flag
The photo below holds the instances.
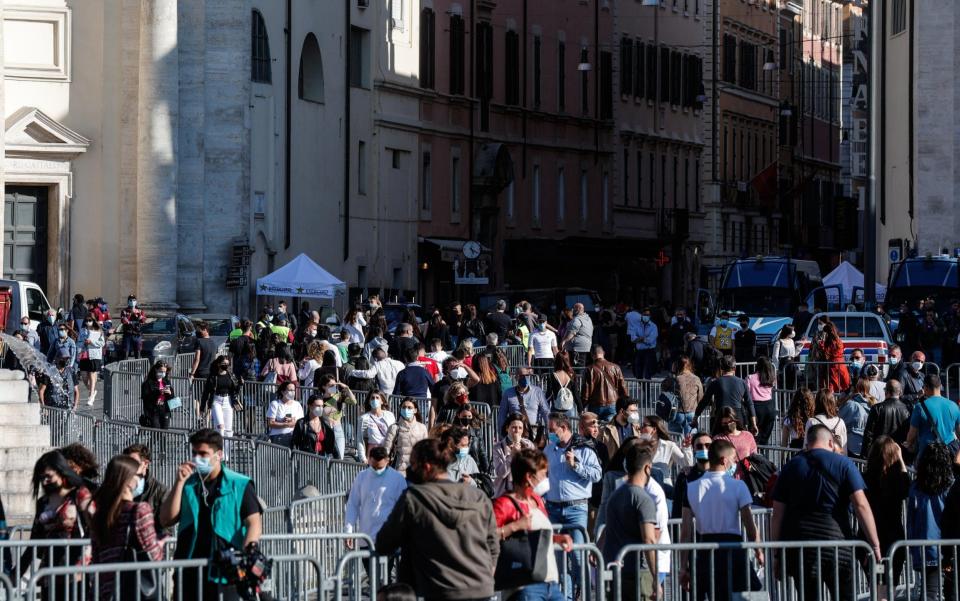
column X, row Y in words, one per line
column 765, row 183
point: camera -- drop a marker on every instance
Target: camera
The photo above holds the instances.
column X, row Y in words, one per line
column 245, row 569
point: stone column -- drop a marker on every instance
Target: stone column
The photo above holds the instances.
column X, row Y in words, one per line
column 158, row 113
column 191, row 170
column 3, row 146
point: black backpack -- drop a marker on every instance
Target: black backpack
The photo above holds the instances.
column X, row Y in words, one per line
column 757, row 472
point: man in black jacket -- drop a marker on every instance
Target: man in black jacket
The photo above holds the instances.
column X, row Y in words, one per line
column 891, row 417
column 729, row 391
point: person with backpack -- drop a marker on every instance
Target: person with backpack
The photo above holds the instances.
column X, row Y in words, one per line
column 403, row 435
column 526, row 397
column 132, row 319
column 934, row 419
column 243, row 349
column 689, row 392
column 826, row 414
column 729, row 391
column 560, row 386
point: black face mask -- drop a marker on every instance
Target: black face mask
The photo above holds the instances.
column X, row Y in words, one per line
column 51, row 488
column 464, row 421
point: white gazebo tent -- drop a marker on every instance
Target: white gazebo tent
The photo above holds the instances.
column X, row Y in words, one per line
column 849, row 277
column 301, row 277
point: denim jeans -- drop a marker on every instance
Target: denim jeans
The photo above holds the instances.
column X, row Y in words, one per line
column 542, row 591
column 604, row 414
column 684, row 421
column 574, row 517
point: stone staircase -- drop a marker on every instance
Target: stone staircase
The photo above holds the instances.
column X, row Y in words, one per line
column 22, row 440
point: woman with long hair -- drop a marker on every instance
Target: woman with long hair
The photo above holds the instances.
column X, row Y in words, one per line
column 155, row 391
column 437, row 329
column 726, row 426
column 465, row 349
column 785, row 354
column 666, row 453
column 888, row 485
column 760, row 385
column 689, row 391
column 825, row 413
column 61, row 513
column 354, row 323
column 829, row 346
column 311, row 362
column 376, row 422
column 335, row 396
column 403, row 435
column 410, row 317
column 92, row 340
column 120, row 524
column 377, row 326
column 311, row 434
column 487, row 390
column 563, row 378
column 222, row 396
column 283, row 414
column 925, row 513
column 522, row 509
column 514, row 437
column 801, row 409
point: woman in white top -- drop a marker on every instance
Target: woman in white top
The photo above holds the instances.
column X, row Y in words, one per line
column 543, row 345
column 311, row 362
column 354, row 324
column 666, row 453
column 375, row 423
column 91, row 342
column 784, row 348
column 283, row 413
column 524, row 510
column 826, row 414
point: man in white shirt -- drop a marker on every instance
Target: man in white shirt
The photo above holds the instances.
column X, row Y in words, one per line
column 543, row 345
column 384, row 369
column 373, row 495
column 720, row 503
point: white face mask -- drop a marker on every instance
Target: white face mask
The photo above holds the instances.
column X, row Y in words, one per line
column 633, row 417
column 317, row 411
column 894, row 360
column 331, row 390
column 289, row 394
column 458, row 373
column 542, row 487
column 917, row 365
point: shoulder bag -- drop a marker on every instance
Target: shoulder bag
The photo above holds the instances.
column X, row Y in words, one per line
column 523, row 557
column 144, row 581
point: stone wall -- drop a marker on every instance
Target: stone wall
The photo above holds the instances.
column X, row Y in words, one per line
column 24, row 440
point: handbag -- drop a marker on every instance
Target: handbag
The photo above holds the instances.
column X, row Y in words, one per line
column 174, row 403
column 144, row 581
column 523, row 557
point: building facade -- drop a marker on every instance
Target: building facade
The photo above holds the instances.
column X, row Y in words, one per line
column 919, row 146
column 659, row 142
column 516, row 107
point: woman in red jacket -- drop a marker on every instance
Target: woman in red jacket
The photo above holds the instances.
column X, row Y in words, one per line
column 836, row 377
column 523, row 509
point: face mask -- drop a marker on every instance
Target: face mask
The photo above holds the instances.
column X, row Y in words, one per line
column 646, row 437
column 88, row 324
column 51, row 318
column 375, row 403
column 917, row 365
column 542, row 487
column 858, row 363
column 312, row 333
column 459, row 374
column 541, row 326
column 700, row 454
column 522, row 382
column 138, row 489
column 463, row 452
column 203, row 465
column 51, row 487
column 25, row 326
column 894, row 360
column 63, row 333
column 331, row 390
column 645, row 319
column 317, row 411
column 633, row 418
column 290, row 395
column 517, row 310
column 161, row 375
column 379, row 472
column 820, row 327
column 792, row 335
column 132, row 304
column 553, row 438
column 731, row 470
column 406, row 413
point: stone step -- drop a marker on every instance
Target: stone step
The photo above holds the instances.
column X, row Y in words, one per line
column 19, row 504
column 23, row 414
column 24, row 436
column 15, row 391
column 22, row 458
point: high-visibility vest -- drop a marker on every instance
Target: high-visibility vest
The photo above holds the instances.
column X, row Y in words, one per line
column 724, row 339
column 524, row 336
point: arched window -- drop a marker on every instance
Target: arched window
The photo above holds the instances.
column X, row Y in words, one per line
column 259, row 50
column 311, row 71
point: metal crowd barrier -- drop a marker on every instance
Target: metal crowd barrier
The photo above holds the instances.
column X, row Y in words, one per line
column 922, row 569
column 325, row 514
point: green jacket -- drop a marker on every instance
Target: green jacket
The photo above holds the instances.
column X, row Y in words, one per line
column 225, row 515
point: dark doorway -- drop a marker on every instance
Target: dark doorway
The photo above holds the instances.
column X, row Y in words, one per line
column 25, row 234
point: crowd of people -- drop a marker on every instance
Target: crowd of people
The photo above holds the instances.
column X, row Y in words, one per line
column 454, row 507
